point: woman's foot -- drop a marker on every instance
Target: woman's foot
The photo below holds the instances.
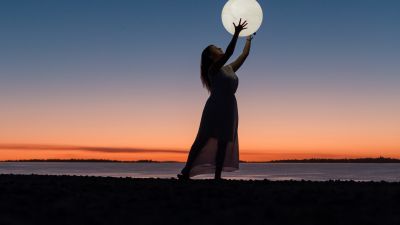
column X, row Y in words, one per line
column 218, row 178
column 218, row 174
column 183, row 176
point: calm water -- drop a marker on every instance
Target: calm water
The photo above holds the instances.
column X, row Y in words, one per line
column 271, row 171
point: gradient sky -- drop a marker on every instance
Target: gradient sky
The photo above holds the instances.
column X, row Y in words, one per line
column 115, row 79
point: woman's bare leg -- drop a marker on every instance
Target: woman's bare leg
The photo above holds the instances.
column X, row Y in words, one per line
column 220, row 158
column 193, row 153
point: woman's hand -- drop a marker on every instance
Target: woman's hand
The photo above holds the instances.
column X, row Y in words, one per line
column 229, row 50
column 251, row 36
column 240, row 26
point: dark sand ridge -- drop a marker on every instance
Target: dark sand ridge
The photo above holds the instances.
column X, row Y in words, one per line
column 33, row 199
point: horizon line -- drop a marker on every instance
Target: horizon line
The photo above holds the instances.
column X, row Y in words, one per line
column 177, row 161
column 108, row 149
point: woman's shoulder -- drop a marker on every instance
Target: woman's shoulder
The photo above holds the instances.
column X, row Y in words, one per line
column 227, row 70
column 222, row 70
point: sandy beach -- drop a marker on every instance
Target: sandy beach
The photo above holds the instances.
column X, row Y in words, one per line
column 33, row 199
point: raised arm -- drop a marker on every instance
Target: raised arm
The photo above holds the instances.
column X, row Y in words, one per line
column 229, row 50
column 240, row 60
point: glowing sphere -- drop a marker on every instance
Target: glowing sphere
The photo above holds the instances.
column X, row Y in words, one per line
column 248, row 10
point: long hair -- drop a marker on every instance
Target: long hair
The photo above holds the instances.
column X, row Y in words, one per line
column 204, row 66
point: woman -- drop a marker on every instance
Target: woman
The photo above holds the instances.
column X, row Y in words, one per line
column 216, row 148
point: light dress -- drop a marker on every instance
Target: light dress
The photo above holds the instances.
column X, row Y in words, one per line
column 219, row 121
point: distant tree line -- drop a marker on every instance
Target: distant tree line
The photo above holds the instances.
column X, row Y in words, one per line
column 357, row 160
column 312, row 160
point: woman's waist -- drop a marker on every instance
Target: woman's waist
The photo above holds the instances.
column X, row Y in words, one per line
column 222, row 96
column 222, row 93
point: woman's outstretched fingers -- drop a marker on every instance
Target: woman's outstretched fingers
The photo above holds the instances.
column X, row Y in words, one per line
column 244, row 24
column 240, row 26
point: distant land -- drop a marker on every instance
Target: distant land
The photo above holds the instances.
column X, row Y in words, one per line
column 312, row 160
column 355, row 160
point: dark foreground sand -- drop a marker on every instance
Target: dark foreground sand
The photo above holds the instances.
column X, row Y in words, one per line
column 31, row 199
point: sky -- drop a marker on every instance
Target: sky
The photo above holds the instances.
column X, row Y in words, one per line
column 120, row 79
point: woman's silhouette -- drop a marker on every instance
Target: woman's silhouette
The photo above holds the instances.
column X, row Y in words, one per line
column 216, row 145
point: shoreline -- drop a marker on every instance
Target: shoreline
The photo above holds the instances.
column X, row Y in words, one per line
column 48, row 199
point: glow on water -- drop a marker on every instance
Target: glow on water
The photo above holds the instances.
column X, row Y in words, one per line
column 248, row 171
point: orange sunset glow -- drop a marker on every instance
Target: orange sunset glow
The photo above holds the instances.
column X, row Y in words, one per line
column 266, row 132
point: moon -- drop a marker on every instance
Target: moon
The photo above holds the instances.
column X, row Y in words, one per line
column 248, row 10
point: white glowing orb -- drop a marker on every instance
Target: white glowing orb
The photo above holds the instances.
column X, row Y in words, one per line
column 248, row 10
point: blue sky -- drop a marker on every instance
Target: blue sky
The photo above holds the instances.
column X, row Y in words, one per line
column 311, row 38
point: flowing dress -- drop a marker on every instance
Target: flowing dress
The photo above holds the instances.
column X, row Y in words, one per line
column 219, row 121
